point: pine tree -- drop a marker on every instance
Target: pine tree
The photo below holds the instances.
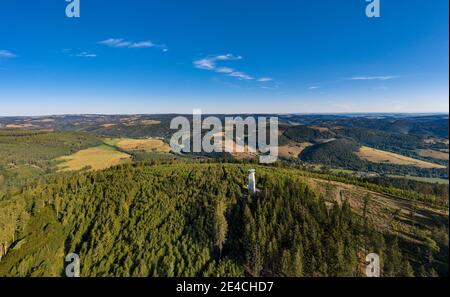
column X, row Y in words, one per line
column 220, row 224
column 407, row 271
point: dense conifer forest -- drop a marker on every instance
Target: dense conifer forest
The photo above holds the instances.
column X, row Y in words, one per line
column 199, row 220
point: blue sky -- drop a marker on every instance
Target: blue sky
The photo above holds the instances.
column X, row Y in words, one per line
column 222, row 56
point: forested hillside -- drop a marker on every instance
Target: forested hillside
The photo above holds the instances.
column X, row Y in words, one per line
column 26, row 154
column 199, row 220
column 307, row 134
column 342, row 153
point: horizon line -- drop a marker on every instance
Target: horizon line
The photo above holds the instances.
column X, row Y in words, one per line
column 229, row 113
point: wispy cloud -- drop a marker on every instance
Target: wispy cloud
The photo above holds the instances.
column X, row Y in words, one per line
column 211, row 63
column 381, row 77
column 265, row 79
column 226, row 70
column 241, row 75
column 142, row 44
column 313, row 88
column 122, row 43
column 86, row 55
column 7, row 54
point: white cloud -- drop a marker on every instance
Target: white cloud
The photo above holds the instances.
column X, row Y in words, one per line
column 241, row 75
column 86, row 55
column 384, row 77
column 228, row 57
column 225, row 70
column 111, row 42
column 142, row 44
column 210, row 63
column 6, row 54
column 206, row 64
column 119, row 42
column 313, row 88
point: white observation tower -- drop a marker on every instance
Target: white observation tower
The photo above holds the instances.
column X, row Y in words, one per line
column 251, row 181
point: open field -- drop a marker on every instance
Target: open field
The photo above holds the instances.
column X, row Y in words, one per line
column 47, row 120
column 423, row 179
column 341, row 171
column 136, row 120
column 433, row 154
column 236, row 150
column 20, row 126
column 320, row 129
column 147, row 145
column 25, row 170
column 96, row 158
column 108, row 125
column 150, row 122
column 379, row 156
column 436, row 140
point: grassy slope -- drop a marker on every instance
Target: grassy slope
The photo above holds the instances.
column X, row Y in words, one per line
column 379, row 156
column 95, row 158
column 146, row 145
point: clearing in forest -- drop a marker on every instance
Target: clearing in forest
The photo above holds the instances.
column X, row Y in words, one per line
column 146, row 145
column 95, row 158
column 433, row 154
column 292, row 150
